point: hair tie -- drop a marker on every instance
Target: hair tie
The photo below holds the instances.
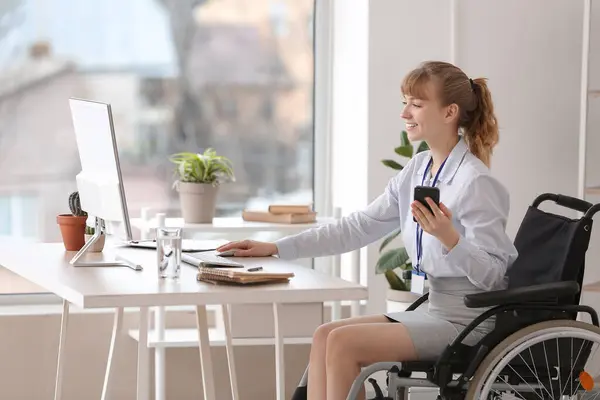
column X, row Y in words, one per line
column 473, row 84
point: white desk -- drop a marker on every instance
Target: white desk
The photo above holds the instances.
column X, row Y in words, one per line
column 47, row 265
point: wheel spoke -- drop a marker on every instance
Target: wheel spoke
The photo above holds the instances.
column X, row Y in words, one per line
column 527, row 383
column 571, row 374
column 535, row 373
column 513, row 389
column 559, row 365
column 573, row 366
column 548, row 368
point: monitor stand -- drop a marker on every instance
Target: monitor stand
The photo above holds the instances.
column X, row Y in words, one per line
column 118, row 262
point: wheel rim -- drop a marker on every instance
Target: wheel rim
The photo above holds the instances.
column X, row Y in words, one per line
column 552, row 383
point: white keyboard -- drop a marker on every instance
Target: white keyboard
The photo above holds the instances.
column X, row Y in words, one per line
column 187, row 245
column 209, row 259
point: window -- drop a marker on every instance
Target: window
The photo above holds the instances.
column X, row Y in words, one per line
column 5, row 216
column 18, row 216
column 235, row 75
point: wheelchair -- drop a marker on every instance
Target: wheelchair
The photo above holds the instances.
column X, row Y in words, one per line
column 537, row 349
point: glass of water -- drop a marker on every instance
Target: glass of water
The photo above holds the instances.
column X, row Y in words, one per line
column 168, row 252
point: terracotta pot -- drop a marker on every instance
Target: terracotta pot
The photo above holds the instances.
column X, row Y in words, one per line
column 98, row 246
column 198, row 201
column 72, row 229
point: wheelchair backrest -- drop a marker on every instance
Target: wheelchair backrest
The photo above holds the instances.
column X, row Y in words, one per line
column 551, row 249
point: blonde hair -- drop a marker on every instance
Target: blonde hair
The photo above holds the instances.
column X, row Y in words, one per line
column 473, row 97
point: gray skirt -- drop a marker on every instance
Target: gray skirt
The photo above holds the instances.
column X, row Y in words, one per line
column 435, row 324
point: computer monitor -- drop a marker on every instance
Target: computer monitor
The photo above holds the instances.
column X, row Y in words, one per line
column 100, row 182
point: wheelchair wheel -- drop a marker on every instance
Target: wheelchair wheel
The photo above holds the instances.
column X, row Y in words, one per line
column 549, row 360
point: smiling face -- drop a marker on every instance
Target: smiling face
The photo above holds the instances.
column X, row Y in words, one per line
column 439, row 98
column 424, row 115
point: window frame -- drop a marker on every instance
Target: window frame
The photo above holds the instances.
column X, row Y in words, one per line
column 322, row 139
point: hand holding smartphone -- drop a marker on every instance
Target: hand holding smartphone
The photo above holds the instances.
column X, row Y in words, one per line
column 422, row 192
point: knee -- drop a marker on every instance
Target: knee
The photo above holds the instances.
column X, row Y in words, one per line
column 339, row 345
column 321, row 334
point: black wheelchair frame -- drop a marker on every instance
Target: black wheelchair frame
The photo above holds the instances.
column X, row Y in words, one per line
column 556, row 300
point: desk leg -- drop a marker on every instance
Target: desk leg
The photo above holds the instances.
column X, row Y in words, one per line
column 208, row 382
column 279, row 356
column 159, row 355
column 64, row 322
column 117, row 325
column 143, row 361
column 230, row 359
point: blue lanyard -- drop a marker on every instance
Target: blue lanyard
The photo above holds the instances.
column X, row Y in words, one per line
column 419, row 237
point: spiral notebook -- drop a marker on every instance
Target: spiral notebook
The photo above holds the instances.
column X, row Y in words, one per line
column 240, row 277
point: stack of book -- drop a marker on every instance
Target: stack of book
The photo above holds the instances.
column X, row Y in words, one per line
column 282, row 213
column 240, row 276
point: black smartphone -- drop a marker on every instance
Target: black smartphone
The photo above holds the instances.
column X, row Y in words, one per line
column 422, row 192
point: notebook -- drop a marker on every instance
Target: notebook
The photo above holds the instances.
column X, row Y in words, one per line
column 241, row 276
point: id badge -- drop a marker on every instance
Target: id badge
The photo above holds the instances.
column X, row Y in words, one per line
column 418, row 283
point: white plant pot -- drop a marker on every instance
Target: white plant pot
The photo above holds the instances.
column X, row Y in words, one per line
column 198, row 201
column 401, row 296
column 399, row 300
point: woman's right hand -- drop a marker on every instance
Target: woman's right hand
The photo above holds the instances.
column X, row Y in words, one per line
column 250, row 248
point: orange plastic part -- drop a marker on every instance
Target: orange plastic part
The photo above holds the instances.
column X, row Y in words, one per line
column 586, row 380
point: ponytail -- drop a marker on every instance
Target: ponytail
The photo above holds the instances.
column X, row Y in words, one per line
column 480, row 127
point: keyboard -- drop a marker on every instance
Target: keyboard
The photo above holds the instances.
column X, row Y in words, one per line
column 187, row 245
column 209, row 259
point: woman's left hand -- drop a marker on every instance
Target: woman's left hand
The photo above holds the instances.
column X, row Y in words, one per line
column 438, row 223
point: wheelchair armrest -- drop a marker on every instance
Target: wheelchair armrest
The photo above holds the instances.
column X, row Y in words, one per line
column 526, row 294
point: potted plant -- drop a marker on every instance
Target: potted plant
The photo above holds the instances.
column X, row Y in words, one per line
column 72, row 226
column 98, row 246
column 397, row 259
column 199, row 176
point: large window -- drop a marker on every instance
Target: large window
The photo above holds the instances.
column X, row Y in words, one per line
column 181, row 75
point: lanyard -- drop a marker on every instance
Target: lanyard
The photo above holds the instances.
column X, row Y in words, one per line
column 419, row 237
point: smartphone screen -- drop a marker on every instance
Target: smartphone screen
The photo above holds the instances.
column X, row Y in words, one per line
column 422, row 192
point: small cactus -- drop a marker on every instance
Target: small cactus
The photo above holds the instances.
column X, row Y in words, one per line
column 75, row 205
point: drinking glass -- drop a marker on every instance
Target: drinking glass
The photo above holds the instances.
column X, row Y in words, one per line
column 168, row 252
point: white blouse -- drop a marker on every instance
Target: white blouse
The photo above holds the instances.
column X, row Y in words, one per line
column 479, row 204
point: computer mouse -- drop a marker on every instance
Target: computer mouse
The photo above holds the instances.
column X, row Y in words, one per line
column 227, row 253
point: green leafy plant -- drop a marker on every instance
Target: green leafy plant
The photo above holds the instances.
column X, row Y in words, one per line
column 75, row 205
column 206, row 167
column 397, row 259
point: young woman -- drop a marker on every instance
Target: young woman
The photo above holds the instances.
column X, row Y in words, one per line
column 463, row 247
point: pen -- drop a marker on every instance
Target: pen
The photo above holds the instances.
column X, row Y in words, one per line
column 253, row 269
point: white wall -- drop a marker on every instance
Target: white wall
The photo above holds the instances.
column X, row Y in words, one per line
column 593, row 146
column 534, row 70
column 531, row 53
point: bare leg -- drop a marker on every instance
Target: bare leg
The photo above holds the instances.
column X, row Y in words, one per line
column 351, row 347
column 317, row 378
